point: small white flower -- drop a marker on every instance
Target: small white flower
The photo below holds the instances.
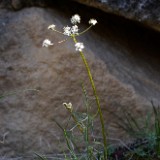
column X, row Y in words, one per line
column 74, row 29
column 52, row 26
column 79, row 46
column 68, row 106
column 47, row 43
column 92, row 21
column 75, row 19
column 67, row 31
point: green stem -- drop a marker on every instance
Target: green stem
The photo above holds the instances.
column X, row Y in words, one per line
column 84, row 31
column 97, row 100
column 88, row 121
column 69, row 146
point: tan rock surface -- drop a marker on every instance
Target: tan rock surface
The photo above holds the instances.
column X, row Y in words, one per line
column 26, row 118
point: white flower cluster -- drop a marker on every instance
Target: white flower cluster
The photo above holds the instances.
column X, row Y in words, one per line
column 93, row 21
column 79, row 46
column 52, row 26
column 47, row 43
column 74, row 29
column 75, row 19
column 70, row 31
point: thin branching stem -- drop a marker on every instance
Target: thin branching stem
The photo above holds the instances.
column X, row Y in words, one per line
column 57, row 31
column 84, row 30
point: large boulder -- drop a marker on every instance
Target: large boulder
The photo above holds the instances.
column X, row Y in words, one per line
column 143, row 11
column 124, row 64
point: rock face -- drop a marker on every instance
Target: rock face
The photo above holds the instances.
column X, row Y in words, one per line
column 18, row 4
column 124, row 63
column 143, row 11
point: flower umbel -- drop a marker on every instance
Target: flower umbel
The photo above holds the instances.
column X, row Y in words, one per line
column 92, row 21
column 67, row 31
column 52, row 26
column 47, row 43
column 75, row 19
column 79, row 46
column 74, row 29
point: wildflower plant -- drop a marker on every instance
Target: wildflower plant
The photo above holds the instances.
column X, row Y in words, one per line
column 73, row 32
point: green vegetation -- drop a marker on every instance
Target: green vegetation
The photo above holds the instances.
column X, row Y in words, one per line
column 82, row 143
column 79, row 133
